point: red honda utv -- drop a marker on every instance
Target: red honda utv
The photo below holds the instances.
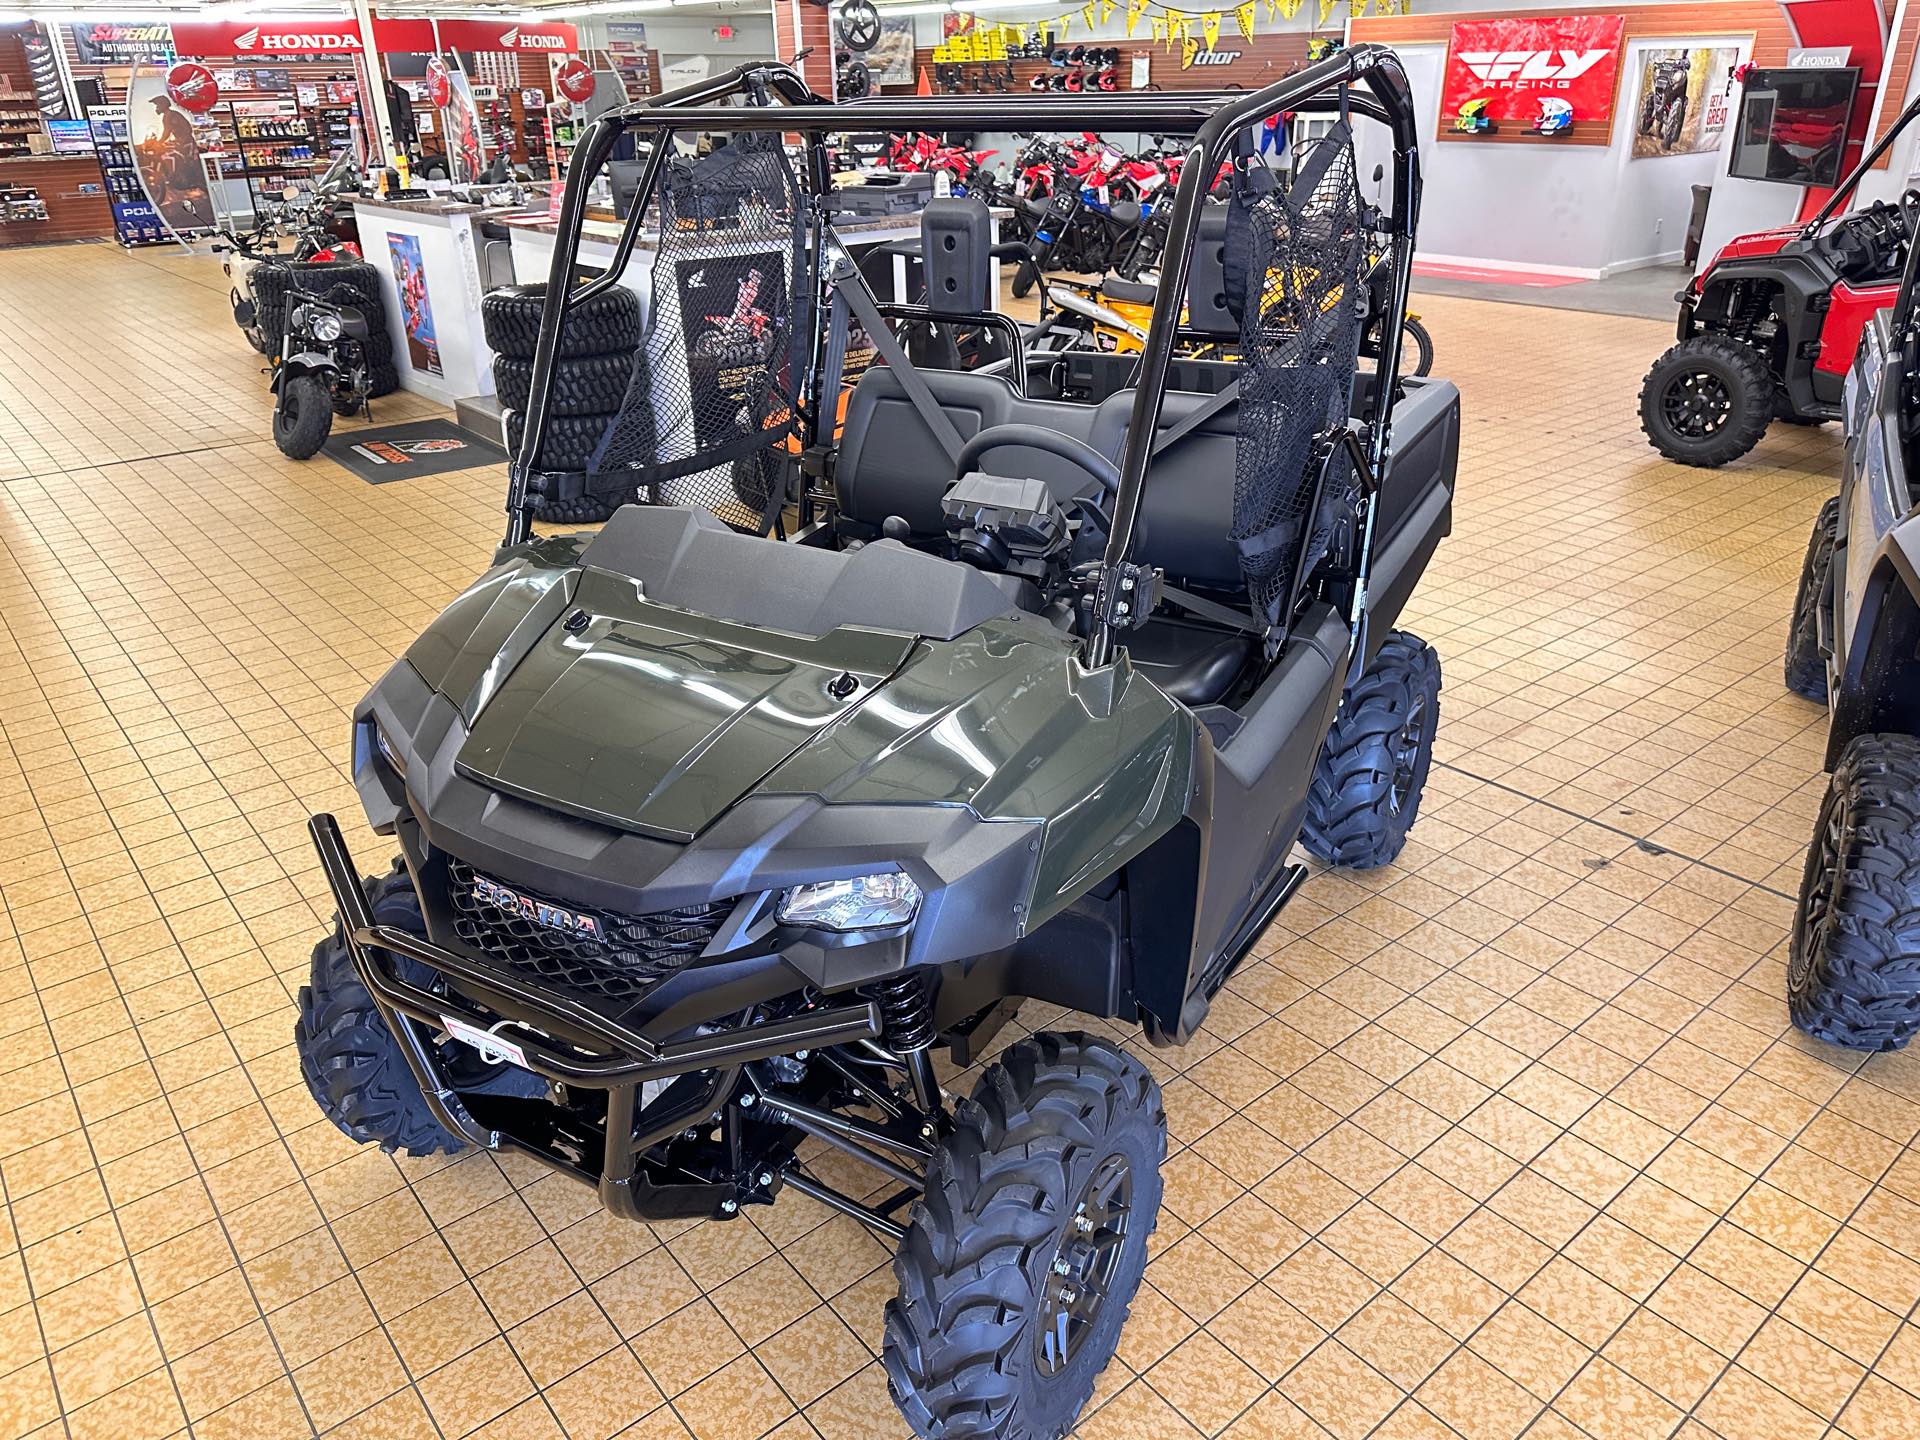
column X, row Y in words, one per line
column 1768, row 328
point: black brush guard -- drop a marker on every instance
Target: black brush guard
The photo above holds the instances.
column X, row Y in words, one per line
column 630, row 1060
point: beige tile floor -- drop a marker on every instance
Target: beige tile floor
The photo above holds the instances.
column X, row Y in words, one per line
column 1510, row 1137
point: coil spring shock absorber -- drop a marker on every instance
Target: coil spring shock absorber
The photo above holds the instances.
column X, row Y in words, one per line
column 906, row 1017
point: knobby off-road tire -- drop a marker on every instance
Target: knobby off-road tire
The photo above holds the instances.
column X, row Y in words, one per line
column 568, row 443
column 1369, row 776
column 1707, row 401
column 1054, row 1160
column 302, row 416
column 586, row 385
column 599, row 325
column 351, row 1061
column 1806, row 668
column 277, row 286
column 1853, row 965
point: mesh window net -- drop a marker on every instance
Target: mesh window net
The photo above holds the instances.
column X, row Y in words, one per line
column 726, row 340
column 1300, row 328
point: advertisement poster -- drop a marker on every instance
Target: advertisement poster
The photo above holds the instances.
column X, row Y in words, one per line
column 1683, row 102
column 1513, row 64
column 627, row 48
column 466, row 149
column 166, row 154
column 99, row 43
column 416, row 310
column 731, row 308
column 891, row 59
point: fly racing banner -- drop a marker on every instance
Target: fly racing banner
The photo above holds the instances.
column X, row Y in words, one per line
column 1513, row 63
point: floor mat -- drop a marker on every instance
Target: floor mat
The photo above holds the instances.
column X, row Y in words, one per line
column 404, row 452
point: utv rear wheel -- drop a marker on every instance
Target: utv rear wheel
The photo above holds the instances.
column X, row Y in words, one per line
column 1806, row 667
column 1368, row 780
column 1029, row 1243
column 351, row 1061
column 1853, row 965
column 1706, row 401
column 302, row 417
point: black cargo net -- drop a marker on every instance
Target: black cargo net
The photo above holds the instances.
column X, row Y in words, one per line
column 1300, row 321
column 711, row 401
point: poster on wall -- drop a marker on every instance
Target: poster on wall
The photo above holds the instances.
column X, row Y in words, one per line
column 416, row 310
column 1683, row 101
column 166, row 154
column 627, row 49
column 466, row 147
column 890, row 62
column 1513, row 64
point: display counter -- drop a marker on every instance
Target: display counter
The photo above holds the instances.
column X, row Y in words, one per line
column 427, row 252
column 52, row 197
column 438, row 257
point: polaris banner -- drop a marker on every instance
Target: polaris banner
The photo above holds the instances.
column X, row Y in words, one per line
column 1513, row 64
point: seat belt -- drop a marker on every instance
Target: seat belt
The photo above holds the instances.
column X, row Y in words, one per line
column 1194, row 419
column 848, row 286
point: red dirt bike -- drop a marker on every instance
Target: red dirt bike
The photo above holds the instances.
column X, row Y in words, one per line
column 743, row 337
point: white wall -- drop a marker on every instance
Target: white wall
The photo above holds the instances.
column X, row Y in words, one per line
column 1582, row 209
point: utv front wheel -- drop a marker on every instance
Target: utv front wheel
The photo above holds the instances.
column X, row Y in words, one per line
column 1806, row 667
column 1707, row 401
column 1367, row 782
column 351, row 1061
column 1853, row 965
column 302, row 417
column 1029, row 1243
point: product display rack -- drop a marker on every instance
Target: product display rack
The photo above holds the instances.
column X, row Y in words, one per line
column 135, row 222
column 19, row 120
column 275, row 146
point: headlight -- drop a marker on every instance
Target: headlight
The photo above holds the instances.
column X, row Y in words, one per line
column 326, row 325
column 866, row 902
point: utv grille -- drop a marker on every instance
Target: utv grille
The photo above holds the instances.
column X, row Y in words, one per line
column 631, row 954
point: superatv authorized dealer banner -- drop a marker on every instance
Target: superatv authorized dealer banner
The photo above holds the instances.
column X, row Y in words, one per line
column 1513, row 64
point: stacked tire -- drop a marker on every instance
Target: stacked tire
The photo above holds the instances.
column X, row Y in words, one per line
column 352, row 282
column 590, row 377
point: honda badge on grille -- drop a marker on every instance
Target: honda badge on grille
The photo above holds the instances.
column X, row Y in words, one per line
column 540, row 912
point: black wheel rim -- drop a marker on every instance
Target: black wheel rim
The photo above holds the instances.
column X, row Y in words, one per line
column 1696, row 404
column 1821, row 885
column 1080, row 1275
column 1406, row 754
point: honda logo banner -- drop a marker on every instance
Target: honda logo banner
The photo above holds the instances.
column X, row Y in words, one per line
column 321, row 35
column 521, row 37
column 1513, row 64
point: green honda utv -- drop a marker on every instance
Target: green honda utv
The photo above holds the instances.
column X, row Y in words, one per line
column 876, row 711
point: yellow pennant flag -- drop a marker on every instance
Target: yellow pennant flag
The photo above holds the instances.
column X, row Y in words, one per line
column 1289, row 8
column 1243, row 15
column 1086, row 13
column 1160, row 28
column 1326, row 11
column 1135, row 9
column 1210, row 27
column 1106, row 11
column 1357, row 8
column 1065, row 23
column 1189, row 48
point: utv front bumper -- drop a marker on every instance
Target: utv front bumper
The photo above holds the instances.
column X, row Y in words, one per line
column 619, row 1062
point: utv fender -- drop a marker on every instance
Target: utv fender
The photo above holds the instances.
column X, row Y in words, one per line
column 1799, row 292
column 1879, row 686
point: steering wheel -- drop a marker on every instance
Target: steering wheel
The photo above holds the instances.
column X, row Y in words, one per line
column 1061, row 446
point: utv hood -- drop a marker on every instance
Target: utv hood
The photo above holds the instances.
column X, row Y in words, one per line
column 655, row 720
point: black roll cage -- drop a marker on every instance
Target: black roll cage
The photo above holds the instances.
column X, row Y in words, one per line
column 1212, row 118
